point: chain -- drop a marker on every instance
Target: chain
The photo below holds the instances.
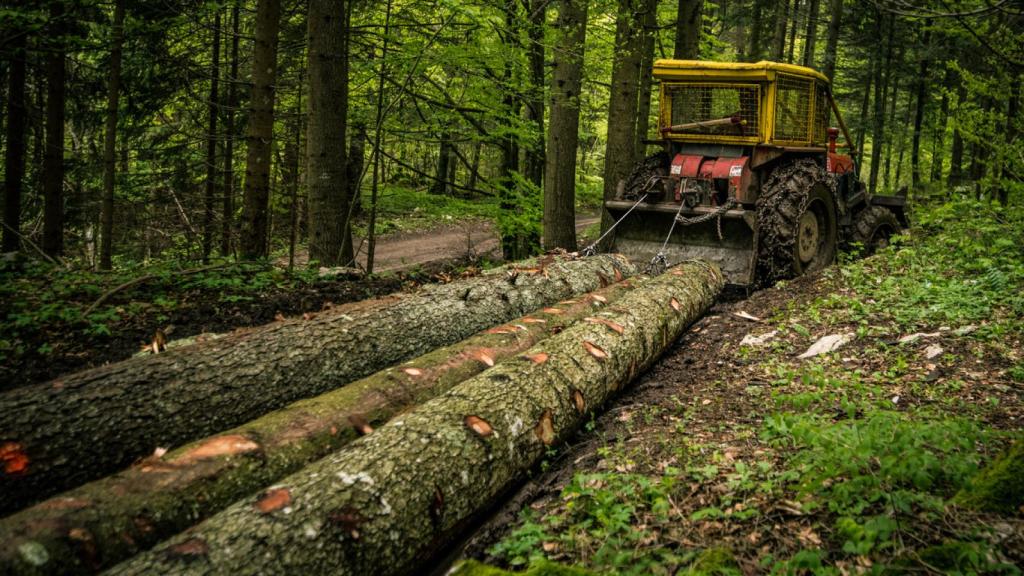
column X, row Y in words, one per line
column 708, row 216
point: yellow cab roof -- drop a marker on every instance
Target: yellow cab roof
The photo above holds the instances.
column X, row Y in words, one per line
column 666, row 69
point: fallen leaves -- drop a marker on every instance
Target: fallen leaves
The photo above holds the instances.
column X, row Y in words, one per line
column 595, row 350
column 478, row 425
column 273, row 500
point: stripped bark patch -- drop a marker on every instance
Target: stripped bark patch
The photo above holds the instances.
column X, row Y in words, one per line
column 190, row 548
column 274, row 500
column 484, row 356
column 545, row 429
column 567, row 302
column 228, row 445
column 360, row 424
column 595, row 350
column 64, row 503
column 603, row 280
column 579, row 401
column 478, row 425
column 538, row 358
column 13, row 458
column 555, row 311
column 348, row 519
column 413, row 371
column 618, row 275
column 675, row 305
column 501, row 330
column 529, row 320
column 614, row 326
column 598, row 298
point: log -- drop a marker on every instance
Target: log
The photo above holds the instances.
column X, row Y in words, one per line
column 72, row 430
column 389, row 501
column 101, row 523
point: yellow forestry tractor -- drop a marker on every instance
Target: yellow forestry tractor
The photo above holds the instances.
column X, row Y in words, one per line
column 748, row 176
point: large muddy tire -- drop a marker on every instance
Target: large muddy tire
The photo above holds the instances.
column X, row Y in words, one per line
column 647, row 177
column 873, row 227
column 796, row 215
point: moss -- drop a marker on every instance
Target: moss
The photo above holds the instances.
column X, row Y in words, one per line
column 999, row 487
column 716, row 561
column 539, row 568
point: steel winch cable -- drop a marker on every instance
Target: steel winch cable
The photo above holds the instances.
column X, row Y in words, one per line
column 592, row 248
column 659, row 263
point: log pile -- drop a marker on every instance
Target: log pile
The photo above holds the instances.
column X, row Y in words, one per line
column 387, row 501
column 123, row 514
column 72, row 430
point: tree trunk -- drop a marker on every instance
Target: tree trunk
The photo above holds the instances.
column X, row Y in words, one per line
column 832, row 44
column 260, row 132
column 643, row 115
column 517, row 243
column 864, row 103
column 53, row 161
column 444, row 160
column 779, row 36
column 391, row 501
column 563, row 133
column 755, row 50
column 1012, row 129
column 211, row 140
column 622, row 104
column 123, row 411
column 227, row 226
column 956, row 158
column 922, row 86
column 812, row 33
column 355, row 163
column 792, row 31
column 14, row 156
column 330, row 242
column 110, row 137
column 133, row 510
column 939, row 138
column 878, row 132
column 689, row 22
column 535, row 99
column 890, row 139
column 378, row 129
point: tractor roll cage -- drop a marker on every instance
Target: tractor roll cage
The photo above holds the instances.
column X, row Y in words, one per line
column 765, row 103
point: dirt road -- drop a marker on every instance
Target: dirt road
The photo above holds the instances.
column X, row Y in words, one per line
column 407, row 250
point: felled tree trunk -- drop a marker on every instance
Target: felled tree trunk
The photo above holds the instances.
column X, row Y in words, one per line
column 394, row 497
column 71, row 430
column 122, row 514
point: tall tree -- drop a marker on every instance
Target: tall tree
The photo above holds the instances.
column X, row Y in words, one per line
column 535, row 96
column 211, row 138
column 260, row 132
column 779, row 35
column 14, row 157
column 922, row 87
column 110, row 138
column 53, row 161
column 878, row 118
column 795, row 17
column 643, row 115
column 330, row 241
column 689, row 22
column 939, row 137
column 228, row 200
column 832, row 43
column 812, row 33
column 622, row 104
column 563, row 133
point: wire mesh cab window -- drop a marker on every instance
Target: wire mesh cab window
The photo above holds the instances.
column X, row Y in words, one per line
column 793, row 108
column 724, row 110
column 821, row 114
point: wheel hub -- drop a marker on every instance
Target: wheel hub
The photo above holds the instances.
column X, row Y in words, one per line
column 807, row 236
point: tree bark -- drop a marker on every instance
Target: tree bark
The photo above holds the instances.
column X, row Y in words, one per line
column 330, row 241
column 14, row 156
column 354, row 167
column 53, row 161
column 563, row 134
column 131, row 511
column 689, row 23
column 211, row 140
column 922, row 86
column 227, row 226
column 622, row 104
column 878, row 132
column 444, row 160
column 535, row 99
column 123, row 411
column 390, row 501
column 260, row 132
column 810, row 38
column 110, row 138
column 832, row 44
column 643, row 115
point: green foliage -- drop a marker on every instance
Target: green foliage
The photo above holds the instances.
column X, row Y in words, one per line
column 538, row 568
column 999, row 487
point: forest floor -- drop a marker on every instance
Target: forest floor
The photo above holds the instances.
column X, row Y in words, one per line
column 735, row 455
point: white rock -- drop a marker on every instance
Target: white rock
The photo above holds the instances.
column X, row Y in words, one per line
column 827, row 344
column 932, row 351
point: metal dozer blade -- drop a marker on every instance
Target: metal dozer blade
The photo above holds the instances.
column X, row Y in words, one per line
column 658, row 235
